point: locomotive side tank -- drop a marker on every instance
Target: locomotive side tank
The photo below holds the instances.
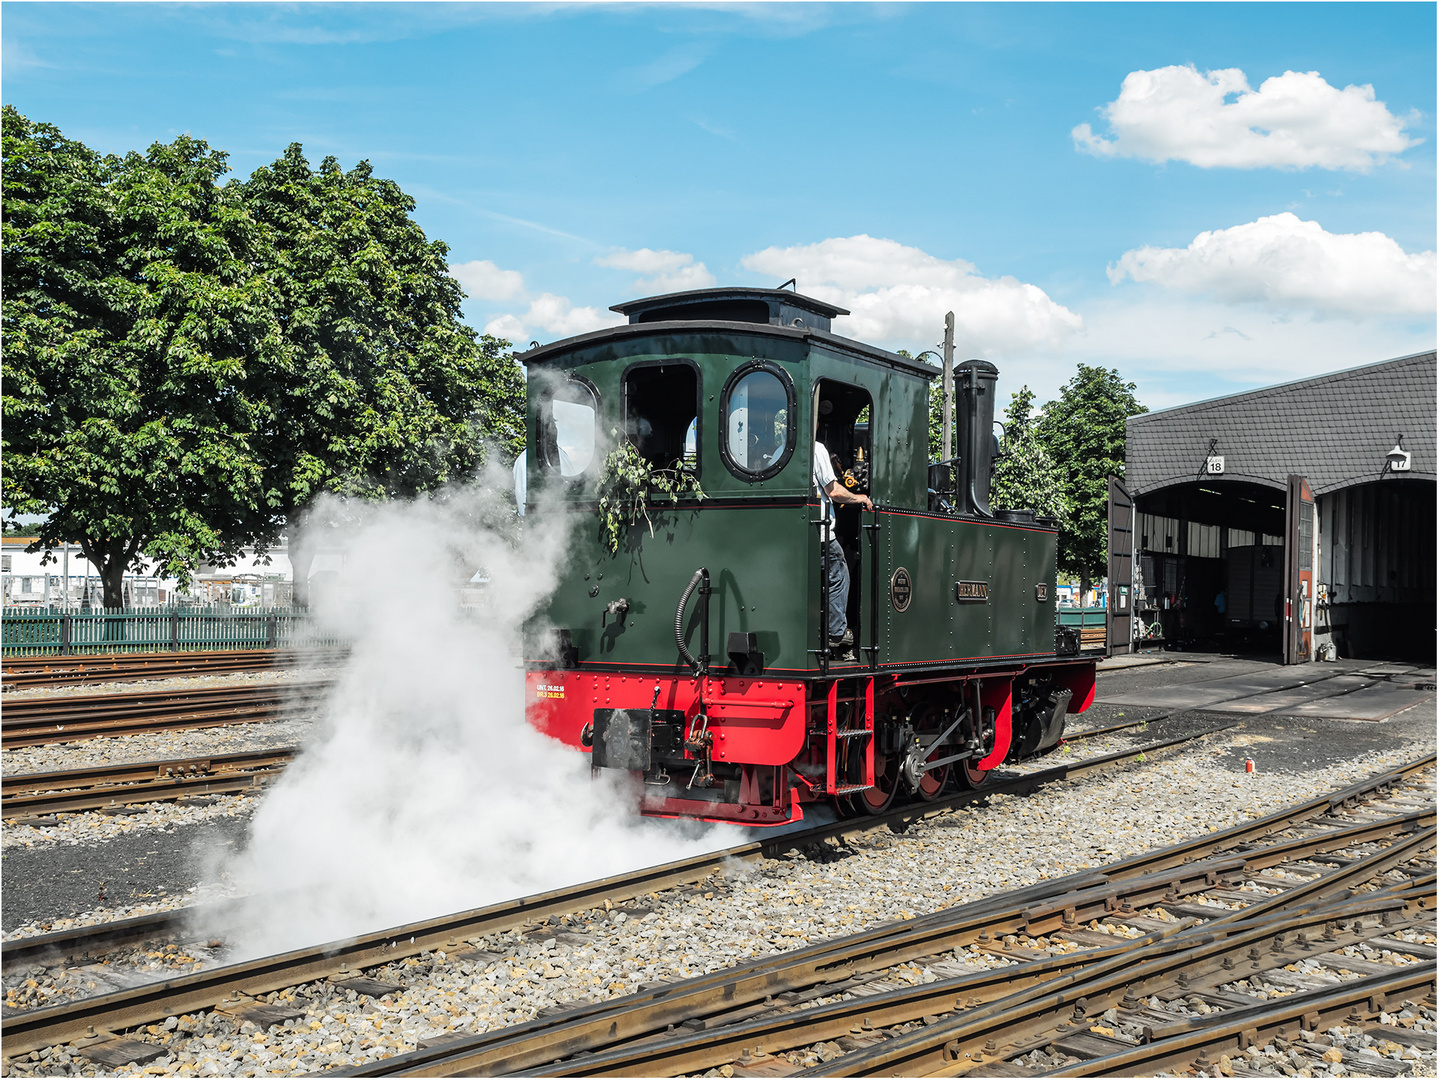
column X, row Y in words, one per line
column 696, row 655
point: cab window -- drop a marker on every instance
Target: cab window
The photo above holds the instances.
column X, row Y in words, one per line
column 662, row 413
column 568, row 418
column 758, row 417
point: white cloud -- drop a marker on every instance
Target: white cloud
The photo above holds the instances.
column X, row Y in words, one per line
column 665, row 68
column 554, row 315
column 1292, row 264
column 548, row 315
column 1214, row 119
column 1181, row 348
column 898, row 295
column 508, row 327
column 483, row 280
column 660, row 271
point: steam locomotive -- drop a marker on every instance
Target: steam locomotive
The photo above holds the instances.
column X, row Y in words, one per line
column 697, row 655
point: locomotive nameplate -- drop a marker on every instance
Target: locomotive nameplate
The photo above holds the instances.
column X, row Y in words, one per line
column 971, row 591
column 901, row 589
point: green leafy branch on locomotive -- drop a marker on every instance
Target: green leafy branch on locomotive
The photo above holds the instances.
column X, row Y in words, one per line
column 628, row 479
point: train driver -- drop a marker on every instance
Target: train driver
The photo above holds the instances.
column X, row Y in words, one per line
column 831, row 491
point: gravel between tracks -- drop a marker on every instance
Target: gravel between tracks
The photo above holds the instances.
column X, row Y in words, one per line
column 95, row 827
column 157, row 746
column 757, row 911
column 176, row 683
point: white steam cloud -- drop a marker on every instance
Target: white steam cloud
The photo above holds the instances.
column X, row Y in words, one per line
column 1214, row 119
column 424, row 790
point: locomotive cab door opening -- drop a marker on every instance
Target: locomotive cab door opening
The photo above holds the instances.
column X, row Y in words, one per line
column 844, row 426
column 1298, row 572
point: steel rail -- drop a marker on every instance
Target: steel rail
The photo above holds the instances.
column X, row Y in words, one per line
column 594, row 1027
column 450, row 1062
column 205, row 989
column 137, row 1005
column 83, row 943
column 1241, row 1028
column 78, row 707
column 40, row 721
column 31, row 795
column 1024, row 1020
column 95, row 940
column 787, row 1027
column 28, row 672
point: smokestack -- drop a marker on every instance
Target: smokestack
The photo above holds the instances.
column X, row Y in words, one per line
column 974, row 383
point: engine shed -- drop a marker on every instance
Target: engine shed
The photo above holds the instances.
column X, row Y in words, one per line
column 1298, row 518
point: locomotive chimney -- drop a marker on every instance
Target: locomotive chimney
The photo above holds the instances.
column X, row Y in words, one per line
column 974, row 387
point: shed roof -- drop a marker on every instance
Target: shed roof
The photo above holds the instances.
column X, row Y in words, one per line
column 1334, row 430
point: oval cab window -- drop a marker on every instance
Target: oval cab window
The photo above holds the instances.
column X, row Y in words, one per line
column 758, row 420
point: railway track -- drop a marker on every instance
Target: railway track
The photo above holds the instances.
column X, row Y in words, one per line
column 29, row 672
column 26, row 796
column 239, row 989
column 1197, row 933
column 39, row 721
column 205, row 989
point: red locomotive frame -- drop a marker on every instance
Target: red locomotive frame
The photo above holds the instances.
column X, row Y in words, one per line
column 784, row 734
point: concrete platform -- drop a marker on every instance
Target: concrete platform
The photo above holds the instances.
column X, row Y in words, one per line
column 1374, row 703
column 1355, row 690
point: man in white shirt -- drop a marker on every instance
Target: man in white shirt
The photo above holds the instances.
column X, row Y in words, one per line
column 831, row 491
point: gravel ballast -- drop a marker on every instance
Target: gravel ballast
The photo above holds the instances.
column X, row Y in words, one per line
column 759, row 910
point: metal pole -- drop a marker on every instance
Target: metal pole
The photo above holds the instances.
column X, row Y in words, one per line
column 65, row 600
column 946, row 437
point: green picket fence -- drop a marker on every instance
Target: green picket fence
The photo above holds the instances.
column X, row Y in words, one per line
column 32, row 631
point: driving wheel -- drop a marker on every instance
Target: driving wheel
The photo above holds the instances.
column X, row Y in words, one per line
column 971, row 777
column 879, row 798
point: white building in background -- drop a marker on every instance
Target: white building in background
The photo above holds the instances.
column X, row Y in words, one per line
column 251, row 582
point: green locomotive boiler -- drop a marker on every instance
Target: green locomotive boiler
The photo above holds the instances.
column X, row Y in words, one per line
column 695, row 651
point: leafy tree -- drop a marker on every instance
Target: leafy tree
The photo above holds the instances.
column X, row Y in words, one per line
column 387, row 393
column 135, row 311
column 188, row 366
column 1084, row 434
column 1025, row 476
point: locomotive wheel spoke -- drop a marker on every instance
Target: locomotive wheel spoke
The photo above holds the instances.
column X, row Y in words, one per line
column 886, row 782
column 933, row 781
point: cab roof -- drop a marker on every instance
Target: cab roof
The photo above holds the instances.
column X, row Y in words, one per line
column 767, row 312
column 777, row 307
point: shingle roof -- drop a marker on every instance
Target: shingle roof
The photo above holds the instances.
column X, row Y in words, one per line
column 1334, row 430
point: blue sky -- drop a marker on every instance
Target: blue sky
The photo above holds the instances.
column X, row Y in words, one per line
column 1219, row 225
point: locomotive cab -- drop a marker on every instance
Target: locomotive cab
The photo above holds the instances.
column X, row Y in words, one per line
column 686, row 640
